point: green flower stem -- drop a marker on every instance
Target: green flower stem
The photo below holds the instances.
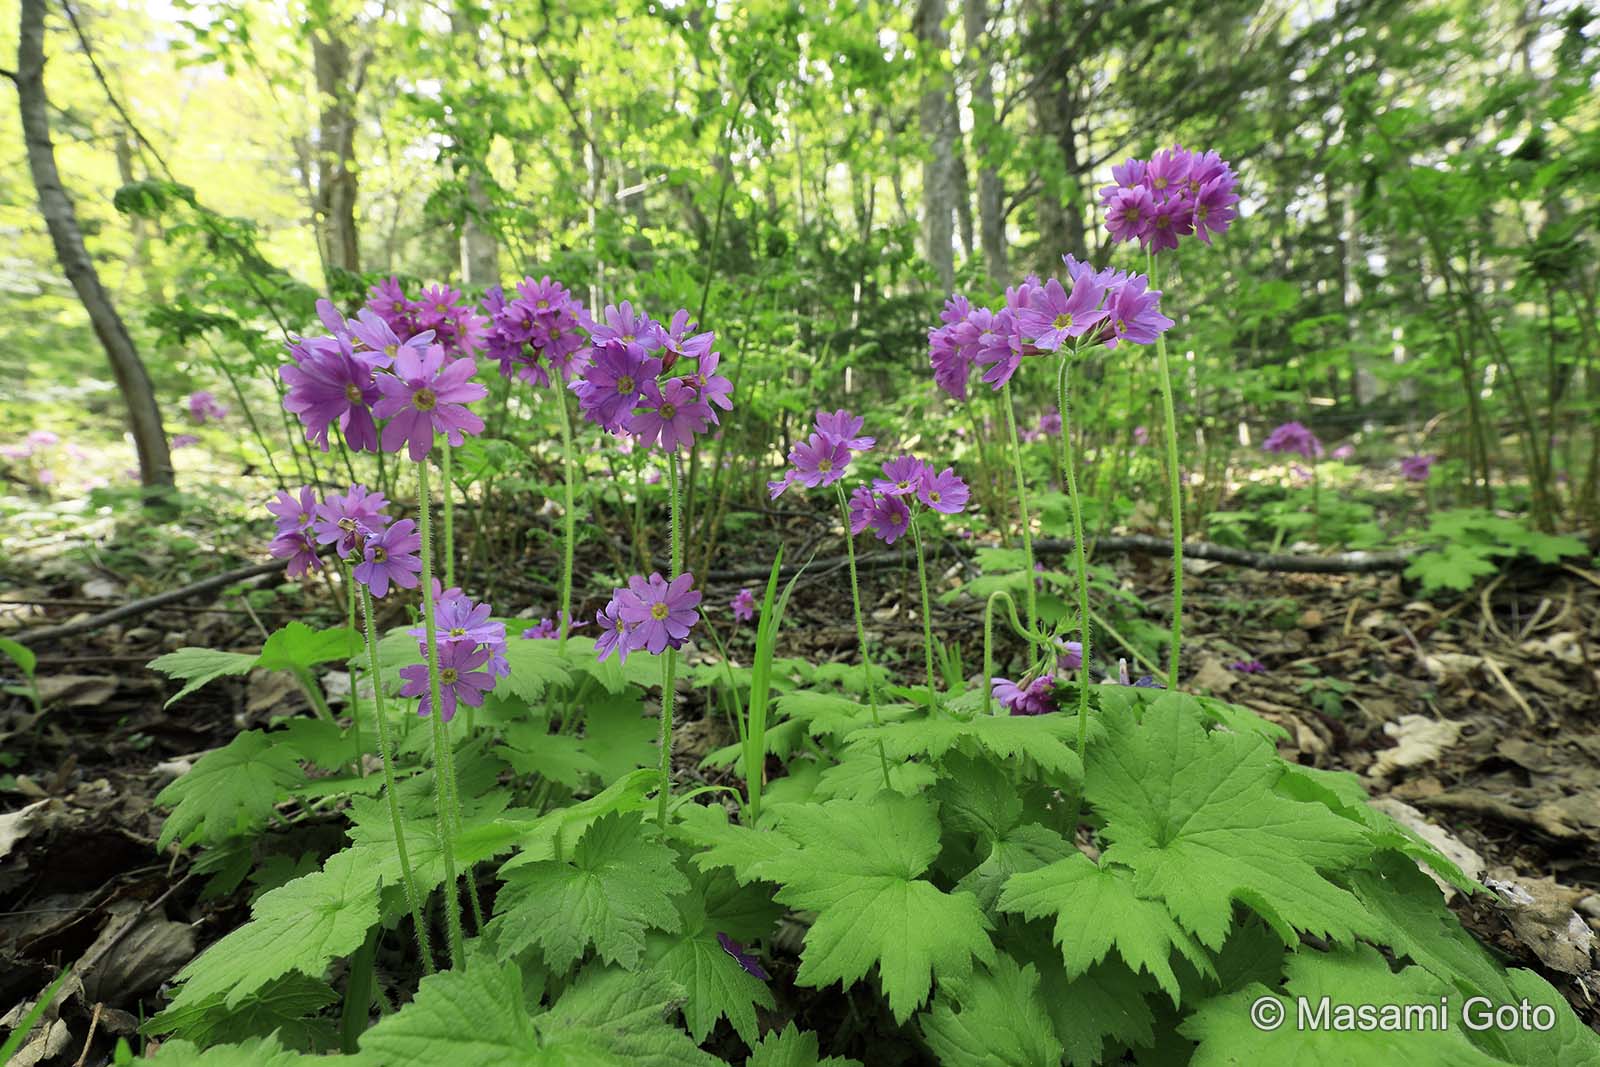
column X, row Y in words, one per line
column 319, row 703
column 988, row 652
column 1022, row 508
column 569, row 517
column 861, row 626
column 669, row 667
column 385, row 746
column 927, row 618
column 1169, row 412
column 443, row 769
column 1070, row 480
column 355, row 705
column 449, row 518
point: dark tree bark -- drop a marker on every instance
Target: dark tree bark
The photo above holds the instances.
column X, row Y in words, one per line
column 991, row 192
column 335, row 204
column 144, row 415
column 940, row 132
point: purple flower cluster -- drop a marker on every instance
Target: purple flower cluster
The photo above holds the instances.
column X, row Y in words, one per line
column 540, row 324
column 1295, row 438
column 355, row 521
column 885, row 506
column 203, row 407
column 822, row 458
column 364, row 370
column 648, row 615
column 548, row 629
column 626, row 385
column 438, row 310
column 295, row 513
column 472, row 654
column 1174, row 194
column 1037, row 697
column 1095, row 307
column 1417, row 468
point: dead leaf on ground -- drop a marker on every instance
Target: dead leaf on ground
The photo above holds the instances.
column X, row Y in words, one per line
column 16, row 825
column 76, row 690
column 1213, row 676
column 1542, row 915
column 140, row 951
column 1419, row 740
column 1454, row 850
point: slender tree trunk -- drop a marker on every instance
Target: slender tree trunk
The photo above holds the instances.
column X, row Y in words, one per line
column 144, row 415
column 336, row 133
column 480, row 251
column 991, row 192
column 939, row 133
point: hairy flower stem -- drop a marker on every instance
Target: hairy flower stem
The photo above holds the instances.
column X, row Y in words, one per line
column 449, row 519
column 861, row 627
column 1080, row 558
column 568, row 518
column 385, row 746
column 443, row 765
column 1169, row 412
column 1022, row 508
column 669, row 666
column 927, row 618
column 355, row 705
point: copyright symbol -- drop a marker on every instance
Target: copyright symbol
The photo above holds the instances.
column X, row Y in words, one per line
column 1267, row 1013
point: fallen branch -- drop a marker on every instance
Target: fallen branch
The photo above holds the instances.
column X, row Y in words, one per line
column 149, row 603
column 1340, row 563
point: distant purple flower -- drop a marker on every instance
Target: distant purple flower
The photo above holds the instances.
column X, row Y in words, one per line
column 1053, row 317
column 349, row 517
column 901, row 476
column 1050, row 423
column 744, row 959
column 1344, row 452
column 328, row 382
column 294, row 511
column 184, row 440
column 461, row 681
column 614, row 631
column 1133, row 314
column 428, row 395
column 658, row 613
column 1037, row 698
column 297, row 547
column 548, row 628
column 943, row 492
column 1252, row 666
column 1141, row 436
column 819, row 461
column 671, row 413
column 17, row 451
column 1417, row 468
column 1293, row 437
column 203, row 406
column 390, row 555
column 844, row 427
column 744, row 605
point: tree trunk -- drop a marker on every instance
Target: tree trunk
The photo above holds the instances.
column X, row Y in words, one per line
column 991, row 193
column 144, row 415
column 939, row 136
column 336, row 134
column 480, row 251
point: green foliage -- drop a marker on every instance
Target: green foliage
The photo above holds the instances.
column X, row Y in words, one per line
column 295, row 647
column 231, row 791
column 1466, row 542
column 992, row 1018
column 790, row 1047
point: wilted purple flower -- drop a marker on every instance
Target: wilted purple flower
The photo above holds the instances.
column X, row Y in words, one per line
column 297, row 547
column 943, row 492
column 390, row 555
column 744, row 605
column 740, row 956
column 349, row 517
column 203, row 406
column 428, row 395
column 461, row 681
column 614, row 631
column 1036, row 698
column 658, row 613
column 819, row 461
column 1251, row 666
column 671, row 413
column 901, row 476
column 1417, row 468
column 294, row 511
column 183, row 440
column 844, row 427
column 1293, row 437
column 329, row 381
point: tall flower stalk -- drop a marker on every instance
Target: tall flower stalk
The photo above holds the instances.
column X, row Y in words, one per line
column 1022, row 505
column 1080, row 556
column 927, row 616
column 1169, row 415
column 861, row 627
column 568, row 518
column 669, row 664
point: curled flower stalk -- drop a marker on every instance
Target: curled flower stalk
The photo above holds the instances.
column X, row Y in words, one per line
column 443, row 763
column 1080, row 557
column 385, row 747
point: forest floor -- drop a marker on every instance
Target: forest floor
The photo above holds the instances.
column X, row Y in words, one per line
column 1477, row 721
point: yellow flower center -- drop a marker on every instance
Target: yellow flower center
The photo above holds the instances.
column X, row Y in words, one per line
column 658, row 611
column 352, row 393
column 669, row 410
column 380, row 554
column 1122, row 326
column 1063, row 321
column 825, row 465
column 391, row 350
column 425, row 399
column 458, row 631
column 933, row 497
column 449, row 676
column 625, row 384
column 1159, row 183
column 543, row 304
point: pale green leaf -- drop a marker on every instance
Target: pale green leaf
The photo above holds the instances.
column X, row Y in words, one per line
column 230, row 791
column 793, row 1048
column 992, row 1018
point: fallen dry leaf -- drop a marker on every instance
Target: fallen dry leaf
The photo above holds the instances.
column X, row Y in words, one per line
column 1454, row 850
column 1418, row 740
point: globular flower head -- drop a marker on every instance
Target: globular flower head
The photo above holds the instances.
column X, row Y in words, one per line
column 328, row 383
column 1293, row 437
column 462, row 679
column 1417, row 468
column 1175, row 194
column 390, row 556
column 294, row 511
column 744, row 605
column 657, row 612
column 428, row 395
column 347, row 518
column 943, row 492
column 819, row 460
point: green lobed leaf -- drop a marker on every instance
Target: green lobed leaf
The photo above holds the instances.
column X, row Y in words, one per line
column 230, row 791
column 1049, row 740
column 286, row 1007
column 792, row 1047
column 993, row 1018
column 299, row 647
column 200, row 666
